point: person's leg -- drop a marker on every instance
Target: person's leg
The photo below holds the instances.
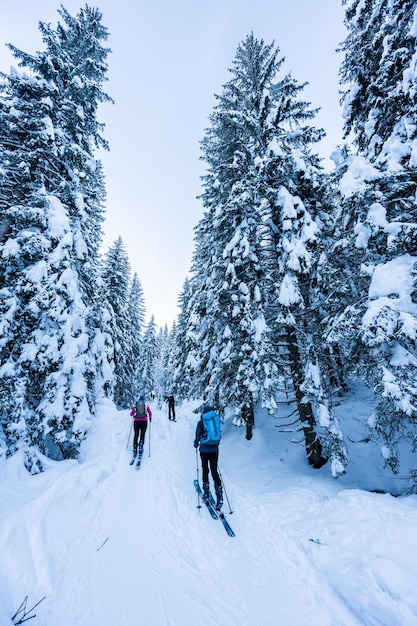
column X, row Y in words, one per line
column 143, row 427
column 136, row 436
column 213, row 459
column 205, row 468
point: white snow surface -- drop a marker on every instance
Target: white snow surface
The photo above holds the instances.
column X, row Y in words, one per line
column 109, row 545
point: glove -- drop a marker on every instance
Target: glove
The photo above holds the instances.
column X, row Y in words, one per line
column 195, row 444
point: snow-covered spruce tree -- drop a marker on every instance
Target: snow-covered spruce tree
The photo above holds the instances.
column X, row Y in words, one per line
column 162, row 367
column 136, row 316
column 193, row 315
column 170, row 360
column 234, row 363
column 252, row 263
column 149, row 359
column 183, row 347
column 116, row 276
column 328, row 283
column 378, row 214
column 294, row 197
column 54, row 342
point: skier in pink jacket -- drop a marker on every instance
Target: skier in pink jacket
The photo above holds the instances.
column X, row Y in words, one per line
column 141, row 413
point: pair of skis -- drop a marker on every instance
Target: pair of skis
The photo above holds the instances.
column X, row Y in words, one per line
column 138, row 458
column 211, row 507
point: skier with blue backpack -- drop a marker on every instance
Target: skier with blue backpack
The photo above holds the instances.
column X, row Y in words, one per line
column 207, row 436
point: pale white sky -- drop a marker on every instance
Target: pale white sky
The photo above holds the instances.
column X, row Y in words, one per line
column 168, row 60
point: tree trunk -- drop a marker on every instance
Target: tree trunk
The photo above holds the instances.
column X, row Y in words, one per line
column 305, row 410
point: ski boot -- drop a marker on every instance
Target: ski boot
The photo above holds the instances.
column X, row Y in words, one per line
column 206, row 492
column 134, row 453
column 219, row 495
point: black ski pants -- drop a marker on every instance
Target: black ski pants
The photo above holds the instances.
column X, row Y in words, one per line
column 139, row 428
column 210, row 458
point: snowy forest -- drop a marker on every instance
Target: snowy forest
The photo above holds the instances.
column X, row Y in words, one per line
column 303, row 282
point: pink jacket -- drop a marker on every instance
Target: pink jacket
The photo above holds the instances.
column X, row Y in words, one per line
column 141, row 419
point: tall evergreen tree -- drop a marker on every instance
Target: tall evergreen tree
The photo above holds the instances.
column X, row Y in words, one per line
column 54, row 349
column 253, row 255
column 234, row 360
column 149, row 358
column 116, row 276
column 136, row 315
column 293, row 190
column 183, row 347
column 162, row 367
column 376, row 329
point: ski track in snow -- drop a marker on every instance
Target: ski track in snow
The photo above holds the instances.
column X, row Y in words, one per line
column 110, row 545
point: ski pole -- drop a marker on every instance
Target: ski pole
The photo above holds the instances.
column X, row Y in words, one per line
column 149, row 444
column 198, row 480
column 225, row 492
column 130, row 432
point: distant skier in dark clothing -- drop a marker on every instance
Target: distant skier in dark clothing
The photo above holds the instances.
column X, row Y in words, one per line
column 141, row 414
column 207, row 436
column 249, row 419
column 171, row 407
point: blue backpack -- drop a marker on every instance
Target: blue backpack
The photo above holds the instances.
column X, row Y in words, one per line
column 212, row 432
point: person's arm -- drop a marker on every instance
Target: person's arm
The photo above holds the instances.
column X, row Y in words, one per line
column 198, row 434
column 149, row 412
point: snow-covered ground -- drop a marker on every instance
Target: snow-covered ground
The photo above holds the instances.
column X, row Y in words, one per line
column 107, row 545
